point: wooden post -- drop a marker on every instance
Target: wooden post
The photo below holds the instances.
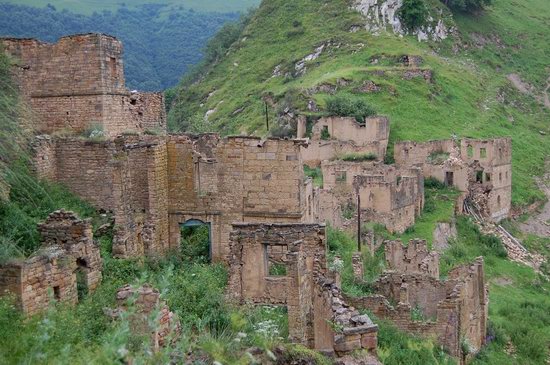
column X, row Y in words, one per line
column 358, row 221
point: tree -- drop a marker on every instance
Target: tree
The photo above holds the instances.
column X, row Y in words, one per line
column 413, row 14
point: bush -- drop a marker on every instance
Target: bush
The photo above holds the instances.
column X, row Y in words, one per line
column 359, row 157
column 349, row 106
column 467, row 5
column 413, row 14
column 433, row 183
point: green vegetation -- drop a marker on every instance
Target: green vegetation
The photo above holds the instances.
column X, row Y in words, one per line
column 413, row 14
column 349, row 106
column 316, row 174
column 396, row 347
column 468, row 97
column 359, row 157
column 89, row 7
column 467, row 5
column 195, row 244
column 153, row 35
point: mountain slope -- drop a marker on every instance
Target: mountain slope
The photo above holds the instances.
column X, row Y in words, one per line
column 89, row 6
column 158, row 48
column 470, row 94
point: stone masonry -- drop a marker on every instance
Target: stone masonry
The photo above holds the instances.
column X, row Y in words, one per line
column 480, row 169
column 77, row 84
column 453, row 311
column 51, row 273
column 346, row 136
column 149, row 316
column 318, row 316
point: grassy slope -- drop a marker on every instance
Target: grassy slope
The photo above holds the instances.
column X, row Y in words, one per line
column 462, row 100
column 89, row 6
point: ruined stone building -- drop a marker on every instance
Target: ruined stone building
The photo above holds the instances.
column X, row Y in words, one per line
column 388, row 195
column 318, row 316
column 77, row 84
column 68, row 254
column 453, row 311
column 480, row 169
column 332, row 137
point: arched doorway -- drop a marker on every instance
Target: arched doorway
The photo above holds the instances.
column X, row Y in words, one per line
column 196, row 242
column 81, row 278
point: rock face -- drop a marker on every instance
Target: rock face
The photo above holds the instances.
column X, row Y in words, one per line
column 383, row 15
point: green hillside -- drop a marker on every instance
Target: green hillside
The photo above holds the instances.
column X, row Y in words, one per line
column 470, row 94
column 89, row 6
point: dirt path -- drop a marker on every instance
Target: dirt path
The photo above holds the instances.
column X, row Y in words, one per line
column 528, row 89
column 539, row 224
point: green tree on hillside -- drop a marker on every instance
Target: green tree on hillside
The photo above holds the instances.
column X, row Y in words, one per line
column 467, row 5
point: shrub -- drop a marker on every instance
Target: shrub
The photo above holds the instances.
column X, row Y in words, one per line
column 413, row 14
column 359, row 157
column 433, row 183
column 467, row 5
column 349, row 106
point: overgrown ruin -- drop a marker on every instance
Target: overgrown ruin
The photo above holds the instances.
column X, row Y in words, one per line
column 265, row 218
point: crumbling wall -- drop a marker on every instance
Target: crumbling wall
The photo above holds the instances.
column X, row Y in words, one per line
column 66, row 230
column 164, row 328
column 346, row 136
column 314, row 301
column 450, row 310
column 415, row 258
column 236, row 179
column 480, row 169
column 77, row 84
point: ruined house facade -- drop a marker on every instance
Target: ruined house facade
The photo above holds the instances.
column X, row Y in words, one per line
column 306, row 287
column 67, row 251
column 453, row 311
column 77, row 84
column 388, row 195
column 332, row 137
column 480, row 169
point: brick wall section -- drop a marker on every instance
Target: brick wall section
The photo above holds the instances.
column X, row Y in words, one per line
column 311, row 297
column 78, row 83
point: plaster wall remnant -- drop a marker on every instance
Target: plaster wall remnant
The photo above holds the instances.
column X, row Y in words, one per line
column 142, row 304
column 480, row 169
column 51, row 273
column 77, row 85
column 346, row 136
column 452, row 310
column 308, row 288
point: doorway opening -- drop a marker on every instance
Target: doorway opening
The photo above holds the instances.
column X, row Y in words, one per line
column 449, row 178
column 81, row 278
column 195, row 243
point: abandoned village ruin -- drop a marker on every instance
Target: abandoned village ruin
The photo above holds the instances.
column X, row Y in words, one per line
column 253, row 195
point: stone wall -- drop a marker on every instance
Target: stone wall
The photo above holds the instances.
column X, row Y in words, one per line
column 77, row 84
column 313, row 299
column 480, row 169
column 148, row 315
column 51, row 273
column 346, row 136
column 126, row 176
column 390, row 196
column 449, row 310
column 236, row 179
column 412, row 259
